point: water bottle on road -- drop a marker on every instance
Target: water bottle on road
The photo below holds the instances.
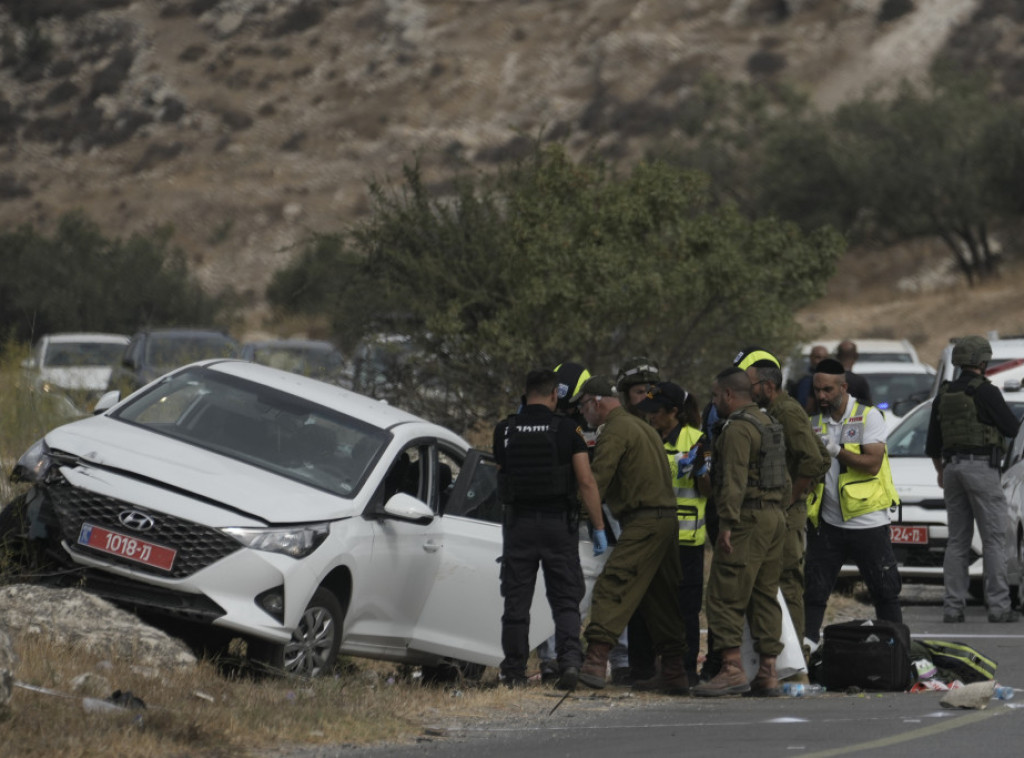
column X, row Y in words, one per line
column 795, row 689
column 1002, row 692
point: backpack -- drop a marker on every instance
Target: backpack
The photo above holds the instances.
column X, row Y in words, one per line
column 869, row 654
column 955, row 660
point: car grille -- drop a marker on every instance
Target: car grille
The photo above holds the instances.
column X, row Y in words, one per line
column 197, row 546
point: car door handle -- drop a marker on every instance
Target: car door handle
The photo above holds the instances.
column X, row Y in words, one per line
column 432, row 547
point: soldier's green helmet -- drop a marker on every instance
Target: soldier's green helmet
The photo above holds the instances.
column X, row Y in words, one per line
column 971, row 351
column 638, row 370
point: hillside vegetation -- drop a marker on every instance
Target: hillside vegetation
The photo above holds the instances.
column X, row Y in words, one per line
column 248, row 124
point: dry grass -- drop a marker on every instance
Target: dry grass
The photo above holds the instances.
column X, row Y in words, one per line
column 869, row 298
column 207, row 711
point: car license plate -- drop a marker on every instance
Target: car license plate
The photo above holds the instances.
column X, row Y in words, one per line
column 131, row 548
column 909, row 535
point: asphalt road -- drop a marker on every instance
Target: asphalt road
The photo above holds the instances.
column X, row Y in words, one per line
column 616, row 723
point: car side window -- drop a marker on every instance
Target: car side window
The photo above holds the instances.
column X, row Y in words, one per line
column 474, row 493
column 408, row 474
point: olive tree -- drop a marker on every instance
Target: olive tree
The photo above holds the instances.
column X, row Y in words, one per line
column 77, row 279
column 553, row 260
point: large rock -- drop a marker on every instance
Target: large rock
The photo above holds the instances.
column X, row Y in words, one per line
column 82, row 620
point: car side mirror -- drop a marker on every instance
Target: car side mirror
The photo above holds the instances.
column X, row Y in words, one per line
column 107, row 401
column 407, row 508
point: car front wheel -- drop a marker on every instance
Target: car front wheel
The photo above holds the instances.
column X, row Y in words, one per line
column 313, row 648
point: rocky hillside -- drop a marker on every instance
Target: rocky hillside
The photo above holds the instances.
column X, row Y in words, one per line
column 248, row 123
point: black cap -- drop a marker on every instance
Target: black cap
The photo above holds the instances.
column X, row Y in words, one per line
column 829, row 366
column 664, row 395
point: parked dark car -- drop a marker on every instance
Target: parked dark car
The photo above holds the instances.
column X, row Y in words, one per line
column 316, row 358
column 153, row 352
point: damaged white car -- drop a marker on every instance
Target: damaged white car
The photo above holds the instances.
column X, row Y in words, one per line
column 305, row 518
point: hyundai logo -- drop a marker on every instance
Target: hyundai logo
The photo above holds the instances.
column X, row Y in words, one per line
column 136, row 520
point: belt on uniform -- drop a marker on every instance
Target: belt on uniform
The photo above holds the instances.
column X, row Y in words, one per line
column 657, row 512
column 758, row 504
column 541, row 512
column 958, row 457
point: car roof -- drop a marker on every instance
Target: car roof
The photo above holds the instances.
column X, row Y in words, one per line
column 85, row 337
column 318, row 344
column 186, row 331
column 891, row 367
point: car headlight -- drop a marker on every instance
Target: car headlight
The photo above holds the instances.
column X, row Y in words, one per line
column 294, row 541
column 34, row 464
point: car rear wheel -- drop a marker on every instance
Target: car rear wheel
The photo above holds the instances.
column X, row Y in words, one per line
column 313, row 648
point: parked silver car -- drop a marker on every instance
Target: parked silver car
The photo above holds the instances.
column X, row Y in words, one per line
column 303, row 517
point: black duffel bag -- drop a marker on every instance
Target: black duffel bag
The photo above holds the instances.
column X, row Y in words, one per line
column 869, row 654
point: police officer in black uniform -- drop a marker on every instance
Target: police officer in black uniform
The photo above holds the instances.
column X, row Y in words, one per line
column 544, row 468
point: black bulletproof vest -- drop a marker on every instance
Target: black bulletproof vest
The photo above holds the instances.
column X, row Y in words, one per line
column 532, row 475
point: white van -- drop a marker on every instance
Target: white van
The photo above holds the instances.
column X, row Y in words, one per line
column 1006, row 354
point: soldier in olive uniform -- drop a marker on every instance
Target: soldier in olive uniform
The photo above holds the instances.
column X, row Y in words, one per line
column 643, row 572
column 807, row 462
column 749, row 483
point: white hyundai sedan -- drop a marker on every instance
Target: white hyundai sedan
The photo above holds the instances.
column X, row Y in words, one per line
column 300, row 516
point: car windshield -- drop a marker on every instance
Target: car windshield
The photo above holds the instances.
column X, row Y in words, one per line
column 250, row 422
column 909, row 438
column 889, row 387
column 171, row 351
column 74, row 354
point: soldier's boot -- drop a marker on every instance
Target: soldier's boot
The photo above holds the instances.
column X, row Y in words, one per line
column 671, row 680
column 730, row 679
column 766, row 682
column 595, row 665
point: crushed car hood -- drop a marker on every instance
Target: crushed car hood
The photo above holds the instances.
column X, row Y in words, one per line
column 120, row 451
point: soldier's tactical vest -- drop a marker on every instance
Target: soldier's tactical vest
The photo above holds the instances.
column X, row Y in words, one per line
column 691, row 506
column 860, row 493
column 768, row 472
column 958, row 419
column 532, row 475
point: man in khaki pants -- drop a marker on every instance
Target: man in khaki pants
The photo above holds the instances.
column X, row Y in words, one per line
column 643, row 571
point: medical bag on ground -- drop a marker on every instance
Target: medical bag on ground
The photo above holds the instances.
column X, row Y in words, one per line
column 955, row 660
column 869, row 654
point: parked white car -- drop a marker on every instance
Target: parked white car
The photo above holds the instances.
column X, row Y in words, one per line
column 1006, row 353
column 77, row 364
column 304, row 517
column 919, row 524
column 897, row 387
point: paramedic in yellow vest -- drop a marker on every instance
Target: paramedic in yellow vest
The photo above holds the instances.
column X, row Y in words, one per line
column 807, row 461
column 850, row 520
column 675, row 415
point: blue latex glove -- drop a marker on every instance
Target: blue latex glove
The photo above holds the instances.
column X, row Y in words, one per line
column 600, row 541
column 686, row 461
